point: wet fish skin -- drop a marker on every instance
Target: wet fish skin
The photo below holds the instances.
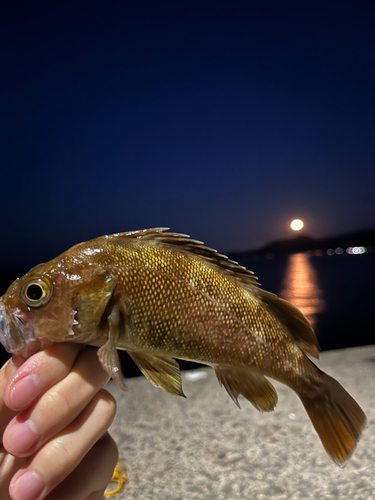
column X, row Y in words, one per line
column 161, row 296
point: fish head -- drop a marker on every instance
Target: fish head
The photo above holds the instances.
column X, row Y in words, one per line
column 34, row 311
column 53, row 302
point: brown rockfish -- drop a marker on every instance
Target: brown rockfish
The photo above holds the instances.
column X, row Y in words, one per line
column 160, row 296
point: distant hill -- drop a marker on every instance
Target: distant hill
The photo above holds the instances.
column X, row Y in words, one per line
column 364, row 238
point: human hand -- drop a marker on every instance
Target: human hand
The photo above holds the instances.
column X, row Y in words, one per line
column 54, row 417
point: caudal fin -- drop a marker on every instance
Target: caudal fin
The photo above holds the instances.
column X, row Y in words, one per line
column 337, row 418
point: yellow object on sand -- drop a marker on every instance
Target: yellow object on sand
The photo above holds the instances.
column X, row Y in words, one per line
column 118, row 479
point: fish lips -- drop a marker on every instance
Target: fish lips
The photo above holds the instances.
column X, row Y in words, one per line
column 12, row 331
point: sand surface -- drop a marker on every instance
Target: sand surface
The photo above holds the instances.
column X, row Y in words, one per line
column 205, row 448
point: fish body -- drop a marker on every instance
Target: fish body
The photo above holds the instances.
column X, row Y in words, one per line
column 161, row 296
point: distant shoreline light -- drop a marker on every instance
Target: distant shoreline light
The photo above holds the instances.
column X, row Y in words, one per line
column 356, row 250
column 349, row 250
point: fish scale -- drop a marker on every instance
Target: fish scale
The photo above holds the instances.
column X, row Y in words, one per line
column 162, row 296
column 225, row 304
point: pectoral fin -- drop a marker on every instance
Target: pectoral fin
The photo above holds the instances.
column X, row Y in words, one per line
column 110, row 361
column 253, row 386
column 108, row 354
column 160, row 370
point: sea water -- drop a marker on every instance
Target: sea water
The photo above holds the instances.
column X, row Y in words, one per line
column 336, row 293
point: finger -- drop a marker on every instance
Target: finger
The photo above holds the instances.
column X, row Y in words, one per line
column 92, row 475
column 40, row 372
column 6, row 373
column 9, row 465
column 57, row 408
column 62, row 454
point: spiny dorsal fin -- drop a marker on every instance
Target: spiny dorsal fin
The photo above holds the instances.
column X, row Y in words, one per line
column 196, row 247
column 290, row 317
column 294, row 321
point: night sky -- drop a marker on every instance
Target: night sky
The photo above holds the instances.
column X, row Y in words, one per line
column 222, row 120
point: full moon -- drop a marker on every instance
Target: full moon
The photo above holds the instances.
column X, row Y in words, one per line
column 297, row 224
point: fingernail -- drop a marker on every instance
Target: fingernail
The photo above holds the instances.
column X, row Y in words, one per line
column 24, row 391
column 21, row 437
column 27, row 487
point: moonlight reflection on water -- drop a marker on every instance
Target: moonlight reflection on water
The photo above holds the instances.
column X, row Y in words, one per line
column 300, row 287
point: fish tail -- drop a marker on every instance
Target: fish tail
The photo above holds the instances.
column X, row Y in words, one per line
column 337, row 418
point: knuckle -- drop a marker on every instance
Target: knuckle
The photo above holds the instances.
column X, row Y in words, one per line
column 61, row 453
column 57, row 402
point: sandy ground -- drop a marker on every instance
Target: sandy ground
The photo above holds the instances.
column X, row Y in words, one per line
column 204, row 447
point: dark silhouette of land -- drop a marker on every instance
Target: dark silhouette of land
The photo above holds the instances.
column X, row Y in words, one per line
column 364, row 238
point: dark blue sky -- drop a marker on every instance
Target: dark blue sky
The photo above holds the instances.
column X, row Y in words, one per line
column 222, row 120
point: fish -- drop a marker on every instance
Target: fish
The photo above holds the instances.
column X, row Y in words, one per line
column 163, row 296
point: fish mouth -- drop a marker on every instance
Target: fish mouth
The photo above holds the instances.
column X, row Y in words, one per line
column 12, row 331
column 17, row 336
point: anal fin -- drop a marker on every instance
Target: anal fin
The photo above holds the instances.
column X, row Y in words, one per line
column 253, row 386
column 162, row 371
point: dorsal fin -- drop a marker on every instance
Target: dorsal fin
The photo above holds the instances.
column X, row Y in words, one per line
column 293, row 320
column 198, row 248
column 288, row 315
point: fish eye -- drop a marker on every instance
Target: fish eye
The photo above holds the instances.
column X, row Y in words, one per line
column 37, row 292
